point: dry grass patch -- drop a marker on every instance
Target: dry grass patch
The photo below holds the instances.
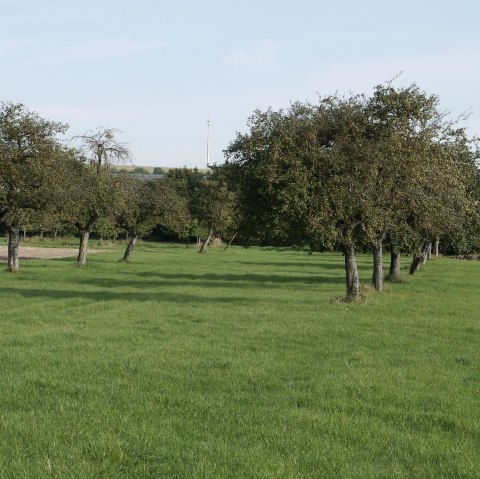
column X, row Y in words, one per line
column 29, row 252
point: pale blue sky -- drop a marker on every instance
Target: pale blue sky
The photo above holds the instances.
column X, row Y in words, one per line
column 158, row 69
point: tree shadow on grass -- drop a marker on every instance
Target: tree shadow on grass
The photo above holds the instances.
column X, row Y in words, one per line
column 106, row 295
column 286, row 249
column 333, row 265
column 152, row 284
column 245, row 280
column 211, row 281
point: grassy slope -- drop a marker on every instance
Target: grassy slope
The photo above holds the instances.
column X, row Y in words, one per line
column 236, row 364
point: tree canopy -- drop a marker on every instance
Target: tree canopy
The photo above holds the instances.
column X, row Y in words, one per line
column 351, row 171
column 30, row 153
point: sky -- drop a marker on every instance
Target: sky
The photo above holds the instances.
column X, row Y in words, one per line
column 158, row 70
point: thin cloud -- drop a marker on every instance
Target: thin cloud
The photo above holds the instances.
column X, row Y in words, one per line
column 14, row 2
column 259, row 55
column 439, row 71
column 74, row 113
column 101, row 49
column 11, row 44
column 30, row 11
column 27, row 51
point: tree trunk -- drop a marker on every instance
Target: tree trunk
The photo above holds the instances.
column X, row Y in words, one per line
column 419, row 259
column 377, row 276
column 231, row 241
column 13, row 264
column 207, row 241
column 128, row 251
column 351, row 274
column 416, row 263
column 24, row 233
column 428, row 253
column 54, row 231
column 82, row 251
column 84, row 234
column 394, row 272
column 435, row 247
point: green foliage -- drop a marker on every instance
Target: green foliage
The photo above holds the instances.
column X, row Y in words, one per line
column 91, row 196
column 237, row 364
column 94, row 193
column 353, row 170
column 350, row 172
column 145, row 204
column 266, row 170
column 30, row 153
column 185, row 180
column 210, row 201
column 212, row 206
column 105, row 228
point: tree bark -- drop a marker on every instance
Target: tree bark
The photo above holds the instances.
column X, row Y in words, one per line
column 13, row 263
column 128, row 251
column 82, row 251
column 419, row 259
column 231, row 241
column 84, row 233
column 436, row 247
column 394, row 272
column 428, row 253
column 377, row 276
column 207, row 241
column 351, row 274
column 415, row 266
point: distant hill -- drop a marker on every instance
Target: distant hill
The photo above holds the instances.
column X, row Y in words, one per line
column 149, row 169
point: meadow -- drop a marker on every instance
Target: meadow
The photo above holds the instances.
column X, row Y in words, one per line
column 237, row 364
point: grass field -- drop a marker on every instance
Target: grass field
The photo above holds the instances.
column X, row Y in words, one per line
column 237, row 364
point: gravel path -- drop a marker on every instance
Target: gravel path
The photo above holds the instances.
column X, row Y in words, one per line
column 27, row 252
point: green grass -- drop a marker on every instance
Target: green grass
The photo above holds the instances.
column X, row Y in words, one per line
column 237, row 364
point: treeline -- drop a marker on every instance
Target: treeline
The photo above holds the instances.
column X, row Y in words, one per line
column 139, row 170
column 386, row 171
column 47, row 184
column 389, row 171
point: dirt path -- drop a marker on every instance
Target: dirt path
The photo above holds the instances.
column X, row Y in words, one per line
column 28, row 252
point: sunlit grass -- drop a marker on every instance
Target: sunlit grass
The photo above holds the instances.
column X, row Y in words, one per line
column 237, row 363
